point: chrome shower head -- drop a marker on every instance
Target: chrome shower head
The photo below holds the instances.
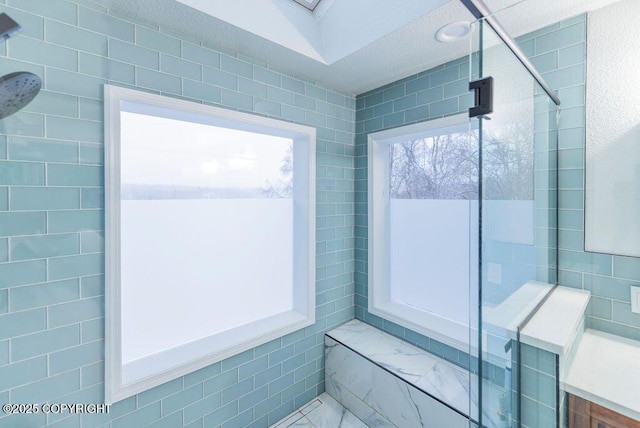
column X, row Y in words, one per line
column 17, row 90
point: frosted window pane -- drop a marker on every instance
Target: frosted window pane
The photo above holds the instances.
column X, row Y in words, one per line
column 206, row 216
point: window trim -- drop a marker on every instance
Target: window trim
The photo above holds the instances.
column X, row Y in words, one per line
column 427, row 323
column 260, row 331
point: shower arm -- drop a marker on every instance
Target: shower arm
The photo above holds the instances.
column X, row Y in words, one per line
column 481, row 11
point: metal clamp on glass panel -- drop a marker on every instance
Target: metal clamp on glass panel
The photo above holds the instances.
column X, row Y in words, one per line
column 483, row 103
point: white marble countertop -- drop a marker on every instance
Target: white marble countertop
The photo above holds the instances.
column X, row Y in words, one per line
column 556, row 325
column 606, row 371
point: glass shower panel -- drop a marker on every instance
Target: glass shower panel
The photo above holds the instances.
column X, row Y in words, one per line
column 517, row 217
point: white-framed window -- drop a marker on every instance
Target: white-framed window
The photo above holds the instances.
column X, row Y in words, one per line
column 210, row 235
column 422, row 227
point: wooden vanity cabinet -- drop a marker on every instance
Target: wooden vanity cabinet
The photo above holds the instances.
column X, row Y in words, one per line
column 585, row 414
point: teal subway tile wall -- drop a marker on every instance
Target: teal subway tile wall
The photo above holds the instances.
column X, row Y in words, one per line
column 607, row 277
column 52, row 220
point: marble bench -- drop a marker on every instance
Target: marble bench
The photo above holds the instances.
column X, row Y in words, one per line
column 386, row 382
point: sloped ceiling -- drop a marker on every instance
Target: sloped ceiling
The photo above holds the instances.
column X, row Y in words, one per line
column 351, row 46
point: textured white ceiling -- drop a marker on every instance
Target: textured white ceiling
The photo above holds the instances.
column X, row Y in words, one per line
column 351, row 46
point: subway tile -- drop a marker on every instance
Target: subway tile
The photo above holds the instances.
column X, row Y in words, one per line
column 75, row 221
column 42, row 53
column 456, row 88
column 181, row 399
column 315, row 92
column 585, row 262
column 4, row 250
column 4, row 301
column 92, row 374
column 608, row 287
column 43, row 246
column 236, row 100
column 266, row 107
column 74, row 175
column 92, row 286
column 140, row 417
column 622, row 314
column 21, row 173
column 600, row 308
column 416, row 114
column 623, row 330
column 75, row 266
column 279, row 95
column 393, row 92
column 22, row 223
column 292, row 84
column 92, row 154
column 222, row 414
column 430, row 95
column 44, row 342
column 571, row 158
column 76, row 38
column 135, row 55
column 52, row 103
column 572, row 55
column 560, row 39
column 55, row 9
column 571, row 199
column 572, row 138
column 157, row 393
column 92, row 330
column 23, row 372
column 92, row 242
column 269, row 77
column 23, row 123
column 201, row 407
column 200, row 55
column 243, row 419
column 92, row 198
column 251, row 87
column 176, row 66
column 105, row 24
column 157, row 41
column 90, row 109
column 66, row 82
column 44, row 198
column 22, row 273
column 236, row 66
column 4, row 359
column 295, row 114
column 569, row 76
column 443, row 108
column 159, row 81
column 417, row 85
column 201, row 375
column 337, row 99
column 76, row 311
column 19, row 323
column 36, row 149
column 219, row 78
column 74, row 129
column 77, row 356
column 39, row 295
column 626, row 267
column 171, row 421
column 98, row 66
column 220, row 382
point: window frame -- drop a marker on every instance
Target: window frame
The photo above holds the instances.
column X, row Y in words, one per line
column 379, row 303
column 260, row 331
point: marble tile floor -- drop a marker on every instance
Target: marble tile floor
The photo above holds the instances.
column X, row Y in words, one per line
column 322, row 412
